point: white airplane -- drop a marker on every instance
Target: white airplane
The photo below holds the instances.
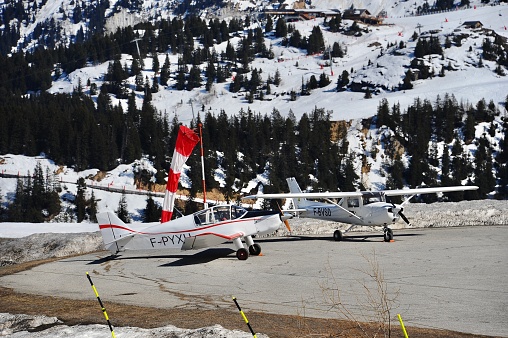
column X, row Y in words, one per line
column 205, row 228
column 368, row 208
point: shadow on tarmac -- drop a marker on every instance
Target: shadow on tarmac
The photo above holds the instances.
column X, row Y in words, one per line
column 201, row 257
column 212, row 254
column 346, row 238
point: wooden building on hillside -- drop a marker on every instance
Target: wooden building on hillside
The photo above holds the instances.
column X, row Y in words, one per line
column 302, row 14
column 362, row 15
column 472, row 24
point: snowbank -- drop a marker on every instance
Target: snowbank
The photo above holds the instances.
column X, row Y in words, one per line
column 19, row 326
column 47, row 245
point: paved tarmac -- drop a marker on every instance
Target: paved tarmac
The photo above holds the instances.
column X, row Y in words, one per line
column 447, row 278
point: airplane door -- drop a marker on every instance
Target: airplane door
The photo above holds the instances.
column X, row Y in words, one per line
column 353, row 203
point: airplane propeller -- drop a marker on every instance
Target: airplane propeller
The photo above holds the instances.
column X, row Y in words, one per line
column 284, row 218
column 404, row 218
column 398, row 211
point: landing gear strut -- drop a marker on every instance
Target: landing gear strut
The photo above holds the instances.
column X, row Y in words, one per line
column 242, row 253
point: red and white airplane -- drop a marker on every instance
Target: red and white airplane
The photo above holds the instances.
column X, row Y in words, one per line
column 368, row 208
column 205, row 228
column 202, row 229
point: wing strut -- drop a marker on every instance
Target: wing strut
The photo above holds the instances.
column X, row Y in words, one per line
column 342, row 208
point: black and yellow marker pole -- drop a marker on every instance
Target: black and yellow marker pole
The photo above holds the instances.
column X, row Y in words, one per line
column 102, row 306
column 244, row 317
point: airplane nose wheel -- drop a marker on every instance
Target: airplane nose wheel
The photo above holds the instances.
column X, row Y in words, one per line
column 388, row 234
column 255, row 249
column 242, row 254
column 337, row 235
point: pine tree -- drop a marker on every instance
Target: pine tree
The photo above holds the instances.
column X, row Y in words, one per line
column 324, row 80
column 155, row 64
column 368, row 94
column 152, row 211
column 210, row 74
column 281, row 29
column 165, row 71
column 122, row 211
column 92, row 208
column 484, row 177
column 135, row 67
column 407, row 80
column 316, row 42
column 383, row 113
column 80, row 200
column 277, row 79
column 16, row 210
column 269, row 24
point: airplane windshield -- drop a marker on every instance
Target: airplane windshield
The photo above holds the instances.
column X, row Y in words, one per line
column 372, row 197
column 218, row 213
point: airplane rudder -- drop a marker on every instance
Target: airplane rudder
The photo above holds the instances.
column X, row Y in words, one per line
column 293, row 185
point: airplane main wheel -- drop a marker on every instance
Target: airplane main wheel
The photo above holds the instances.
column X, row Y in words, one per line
column 388, row 235
column 242, row 254
column 255, row 249
column 337, row 235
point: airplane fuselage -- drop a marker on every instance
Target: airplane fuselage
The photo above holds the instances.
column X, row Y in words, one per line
column 215, row 225
column 374, row 214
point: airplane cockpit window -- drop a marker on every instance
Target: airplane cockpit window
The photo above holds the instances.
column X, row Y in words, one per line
column 222, row 213
column 373, row 197
column 353, row 203
column 203, row 217
column 218, row 213
column 237, row 212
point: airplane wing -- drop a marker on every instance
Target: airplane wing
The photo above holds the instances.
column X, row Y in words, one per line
column 337, row 194
column 418, row 191
column 208, row 239
column 340, row 194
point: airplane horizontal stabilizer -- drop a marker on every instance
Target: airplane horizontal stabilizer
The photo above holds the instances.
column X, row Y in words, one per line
column 294, row 210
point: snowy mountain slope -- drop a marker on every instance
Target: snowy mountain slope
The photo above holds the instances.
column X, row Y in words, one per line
column 368, row 59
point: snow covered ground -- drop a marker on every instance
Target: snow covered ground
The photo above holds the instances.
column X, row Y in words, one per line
column 468, row 82
column 18, row 326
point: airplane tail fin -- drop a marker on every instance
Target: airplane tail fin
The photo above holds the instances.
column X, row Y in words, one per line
column 114, row 231
column 298, row 203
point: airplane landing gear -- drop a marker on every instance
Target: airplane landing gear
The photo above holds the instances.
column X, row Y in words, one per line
column 388, row 234
column 338, row 236
column 255, row 249
column 242, row 254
